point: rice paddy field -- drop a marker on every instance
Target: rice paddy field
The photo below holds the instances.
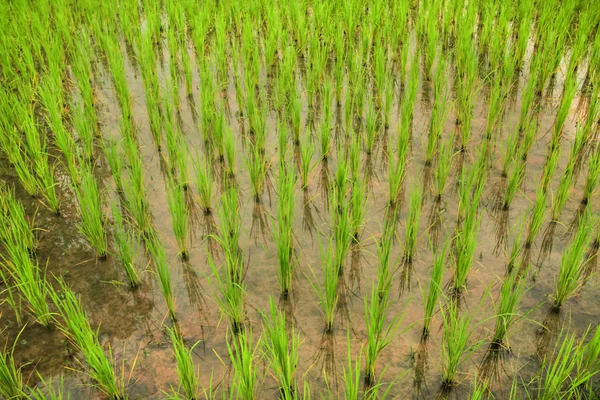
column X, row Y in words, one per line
column 299, row 199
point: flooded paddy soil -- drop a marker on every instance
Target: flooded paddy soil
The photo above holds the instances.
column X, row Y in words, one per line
column 133, row 321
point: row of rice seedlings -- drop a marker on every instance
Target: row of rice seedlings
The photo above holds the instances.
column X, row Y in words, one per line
column 328, row 292
column 571, row 269
column 243, row 355
column 178, row 206
column 284, row 235
column 91, row 211
column 435, row 289
column 126, row 241
column 74, row 324
column 281, row 349
column 157, row 251
column 187, row 373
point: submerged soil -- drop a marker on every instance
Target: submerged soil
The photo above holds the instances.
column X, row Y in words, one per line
column 132, row 321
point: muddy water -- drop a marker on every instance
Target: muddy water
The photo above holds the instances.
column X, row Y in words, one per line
column 132, row 322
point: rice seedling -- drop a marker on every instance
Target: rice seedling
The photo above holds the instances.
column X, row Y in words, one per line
column 74, row 324
column 257, row 166
column 29, row 279
column 571, row 269
column 442, row 169
column 11, row 378
column 328, row 292
column 125, row 242
column 358, row 207
column 307, row 151
column 243, row 354
column 188, row 374
column 537, row 217
column 49, row 390
column 379, row 336
column 412, row 225
column 281, row 349
column 284, row 235
column 514, row 182
column 456, row 349
column 178, row 206
column 116, row 163
column 557, row 373
column 507, row 308
column 93, row 220
column 17, row 230
column 435, row 288
column 157, row 251
column 588, row 364
column 204, row 184
column 229, row 234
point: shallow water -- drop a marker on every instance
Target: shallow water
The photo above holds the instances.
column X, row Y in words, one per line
column 132, row 322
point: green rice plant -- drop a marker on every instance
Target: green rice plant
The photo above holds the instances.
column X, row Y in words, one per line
column 188, row 374
column 384, row 248
column 284, row 235
column 397, row 166
column 327, row 293
column 157, row 251
column 443, row 167
column 232, row 297
column 342, row 228
column 371, row 129
column 243, row 355
column 550, row 167
column 465, row 242
column 538, row 215
column 571, row 269
column 115, row 162
column 15, row 152
column 30, row 281
column 593, row 178
column 204, row 184
column 435, row 288
column 48, row 390
column 412, row 224
column 125, row 242
column 358, row 207
column 455, row 343
column 514, row 182
column 16, row 230
column 84, row 131
column 351, row 376
column 13, row 301
column 91, row 212
column 378, row 335
column 507, row 307
column 257, row 166
column 307, row 150
column 439, row 112
column 178, row 206
column 135, row 189
column 281, row 349
column 588, row 364
column 230, row 150
column 37, row 151
column 229, row 233
column 74, row 324
column 11, row 378
column 556, row 374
